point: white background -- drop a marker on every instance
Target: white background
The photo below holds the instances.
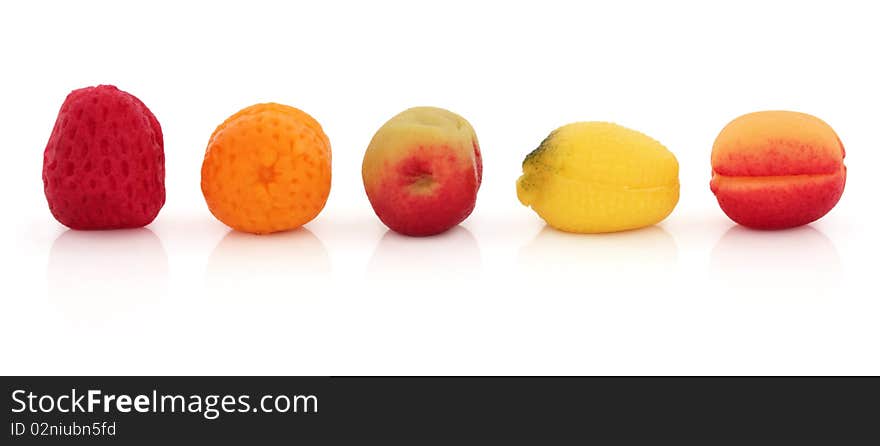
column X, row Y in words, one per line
column 501, row 294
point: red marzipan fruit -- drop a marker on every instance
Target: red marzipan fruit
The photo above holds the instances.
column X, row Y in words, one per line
column 104, row 165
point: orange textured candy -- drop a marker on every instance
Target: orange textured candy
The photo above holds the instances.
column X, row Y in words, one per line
column 267, row 169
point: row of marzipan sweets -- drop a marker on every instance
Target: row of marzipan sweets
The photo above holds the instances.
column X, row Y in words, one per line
column 267, row 169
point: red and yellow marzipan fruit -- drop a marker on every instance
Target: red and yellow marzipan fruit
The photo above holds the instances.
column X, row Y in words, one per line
column 422, row 171
column 777, row 169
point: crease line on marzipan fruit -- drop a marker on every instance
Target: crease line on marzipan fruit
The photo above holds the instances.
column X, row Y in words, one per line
column 740, row 179
column 611, row 185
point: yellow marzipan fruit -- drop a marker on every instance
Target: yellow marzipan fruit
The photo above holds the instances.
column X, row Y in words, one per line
column 593, row 177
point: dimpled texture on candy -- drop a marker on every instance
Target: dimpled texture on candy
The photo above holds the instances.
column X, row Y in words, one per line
column 104, row 164
column 594, row 177
column 777, row 169
column 422, row 171
column 267, row 169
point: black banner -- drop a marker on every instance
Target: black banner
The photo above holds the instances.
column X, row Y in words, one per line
column 490, row 410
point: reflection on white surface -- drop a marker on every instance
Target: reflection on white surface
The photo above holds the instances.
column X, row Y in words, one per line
column 636, row 257
column 247, row 266
column 799, row 258
column 93, row 274
column 452, row 254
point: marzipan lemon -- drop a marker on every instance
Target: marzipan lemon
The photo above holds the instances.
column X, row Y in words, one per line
column 593, row 177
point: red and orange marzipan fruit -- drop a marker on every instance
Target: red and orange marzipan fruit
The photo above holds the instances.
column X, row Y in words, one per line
column 777, row 169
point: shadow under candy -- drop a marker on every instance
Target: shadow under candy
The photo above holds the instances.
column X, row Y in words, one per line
column 246, row 266
column 452, row 255
column 94, row 274
column 801, row 258
column 637, row 257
